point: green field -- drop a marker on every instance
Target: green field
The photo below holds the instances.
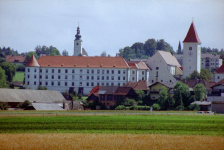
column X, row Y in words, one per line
column 19, row 76
column 128, row 124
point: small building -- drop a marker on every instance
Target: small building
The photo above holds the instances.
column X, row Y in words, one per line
column 15, row 59
column 142, row 85
column 156, row 87
column 219, row 74
column 204, row 105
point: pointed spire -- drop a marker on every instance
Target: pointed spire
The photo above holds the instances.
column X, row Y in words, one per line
column 192, row 35
column 32, row 62
column 78, row 36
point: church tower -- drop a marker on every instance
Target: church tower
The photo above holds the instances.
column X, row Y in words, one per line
column 191, row 52
column 78, row 43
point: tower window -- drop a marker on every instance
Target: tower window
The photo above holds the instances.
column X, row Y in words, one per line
column 77, row 43
column 190, row 48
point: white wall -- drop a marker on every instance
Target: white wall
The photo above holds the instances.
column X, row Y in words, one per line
column 218, row 77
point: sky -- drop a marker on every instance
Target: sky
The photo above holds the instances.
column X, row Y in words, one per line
column 108, row 25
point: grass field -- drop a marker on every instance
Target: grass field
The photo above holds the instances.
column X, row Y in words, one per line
column 117, row 124
column 19, row 76
column 109, row 141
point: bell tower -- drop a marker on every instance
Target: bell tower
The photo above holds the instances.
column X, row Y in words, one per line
column 78, row 43
column 191, row 52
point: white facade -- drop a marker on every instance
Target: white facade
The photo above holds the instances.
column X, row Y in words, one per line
column 218, row 77
column 78, row 43
column 191, row 58
column 211, row 63
column 139, row 74
column 32, row 77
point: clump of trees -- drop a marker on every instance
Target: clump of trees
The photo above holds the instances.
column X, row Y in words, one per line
column 4, row 106
column 205, row 74
column 24, row 104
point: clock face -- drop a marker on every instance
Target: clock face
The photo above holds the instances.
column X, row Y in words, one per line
column 190, row 53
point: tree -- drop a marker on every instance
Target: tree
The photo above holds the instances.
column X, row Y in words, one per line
column 28, row 56
column 3, row 106
column 181, row 91
column 150, row 47
column 10, row 70
column 179, row 51
column 162, row 97
column 55, row 52
column 137, row 46
column 103, row 54
column 194, row 75
column 206, row 75
column 65, row 53
column 24, row 104
column 162, row 45
column 2, row 78
column 199, row 91
column 169, row 104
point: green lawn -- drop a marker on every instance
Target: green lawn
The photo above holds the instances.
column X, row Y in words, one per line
column 128, row 124
column 19, row 76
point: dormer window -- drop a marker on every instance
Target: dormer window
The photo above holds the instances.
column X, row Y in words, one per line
column 190, row 48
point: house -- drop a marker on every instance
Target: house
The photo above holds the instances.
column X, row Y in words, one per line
column 208, row 61
column 108, row 95
column 142, row 85
column 204, row 105
column 156, row 87
column 219, row 74
column 164, row 68
column 15, row 96
column 15, row 59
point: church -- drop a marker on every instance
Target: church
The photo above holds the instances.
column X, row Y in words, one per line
column 82, row 72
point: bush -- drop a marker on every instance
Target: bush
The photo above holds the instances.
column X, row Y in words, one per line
column 41, row 88
column 20, row 67
column 156, row 106
column 120, row 107
column 181, row 107
column 3, row 106
column 80, row 96
column 140, row 108
column 11, row 85
column 194, row 107
column 24, row 104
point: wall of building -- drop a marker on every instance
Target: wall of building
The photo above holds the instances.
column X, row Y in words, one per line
column 218, row 76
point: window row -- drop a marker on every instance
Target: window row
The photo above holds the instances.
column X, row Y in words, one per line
column 142, row 72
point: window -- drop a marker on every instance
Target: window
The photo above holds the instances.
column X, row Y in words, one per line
column 98, row 71
column 66, row 84
column 52, row 83
column 157, row 74
column 28, row 69
column 59, row 70
column 46, row 83
column 107, row 77
column 92, row 84
column 92, row 71
column 77, row 43
column 46, row 76
column 112, row 84
column 28, row 83
column 73, row 70
column 87, row 71
column 118, row 84
column 80, row 70
column 80, row 83
column 66, row 77
column 170, row 80
column 73, row 84
column 159, row 90
column 119, row 72
column 98, row 77
column 80, row 77
column 190, row 48
column 35, row 70
column 102, row 83
column 154, row 90
column 102, row 71
column 218, row 77
column 133, row 72
column 109, row 97
column 66, row 70
column 28, row 76
column 40, row 70
column 92, row 77
column 143, row 78
column 112, row 78
column 157, row 68
column 40, row 76
column 190, row 67
column 112, row 71
column 161, row 80
column 52, row 77
column 123, row 83
column 87, row 77
column 119, row 78
column 87, row 83
column 102, row 77
column 153, row 96
column 98, row 84
column 40, row 83
column 123, row 78
column 133, row 78
column 59, row 77
column 73, row 77
column 102, row 97
column 35, row 76
column 123, row 71
column 46, row 70
column 59, row 83
column 152, row 81
column 35, row 83
column 52, row 70
column 107, row 84
column 143, row 72
column 107, row 71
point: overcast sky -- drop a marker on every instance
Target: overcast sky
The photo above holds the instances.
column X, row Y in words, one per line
column 107, row 25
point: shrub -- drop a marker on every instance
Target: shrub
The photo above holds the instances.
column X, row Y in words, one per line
column 3, row 106
column 120, row 107
column 24, row 104
column 41, row 88
column 140, row 108
column 156, row 106
column 20, row 67
column 74, row 93
column 181, row 107
column 80, row 96
column 194, row 107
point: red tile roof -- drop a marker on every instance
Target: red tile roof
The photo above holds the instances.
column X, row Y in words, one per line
column 142, row 65
column 122, row 90
column 11, row 58
column 132, row 65
column 94, row 90
column 140, row 85
column 192, row 35
column 32, row 62
column 220, row 69
column 192, row 82
column 82, row 62
column 221, row 82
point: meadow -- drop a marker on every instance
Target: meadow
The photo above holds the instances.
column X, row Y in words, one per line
column 209, row 125
column 19, row 76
